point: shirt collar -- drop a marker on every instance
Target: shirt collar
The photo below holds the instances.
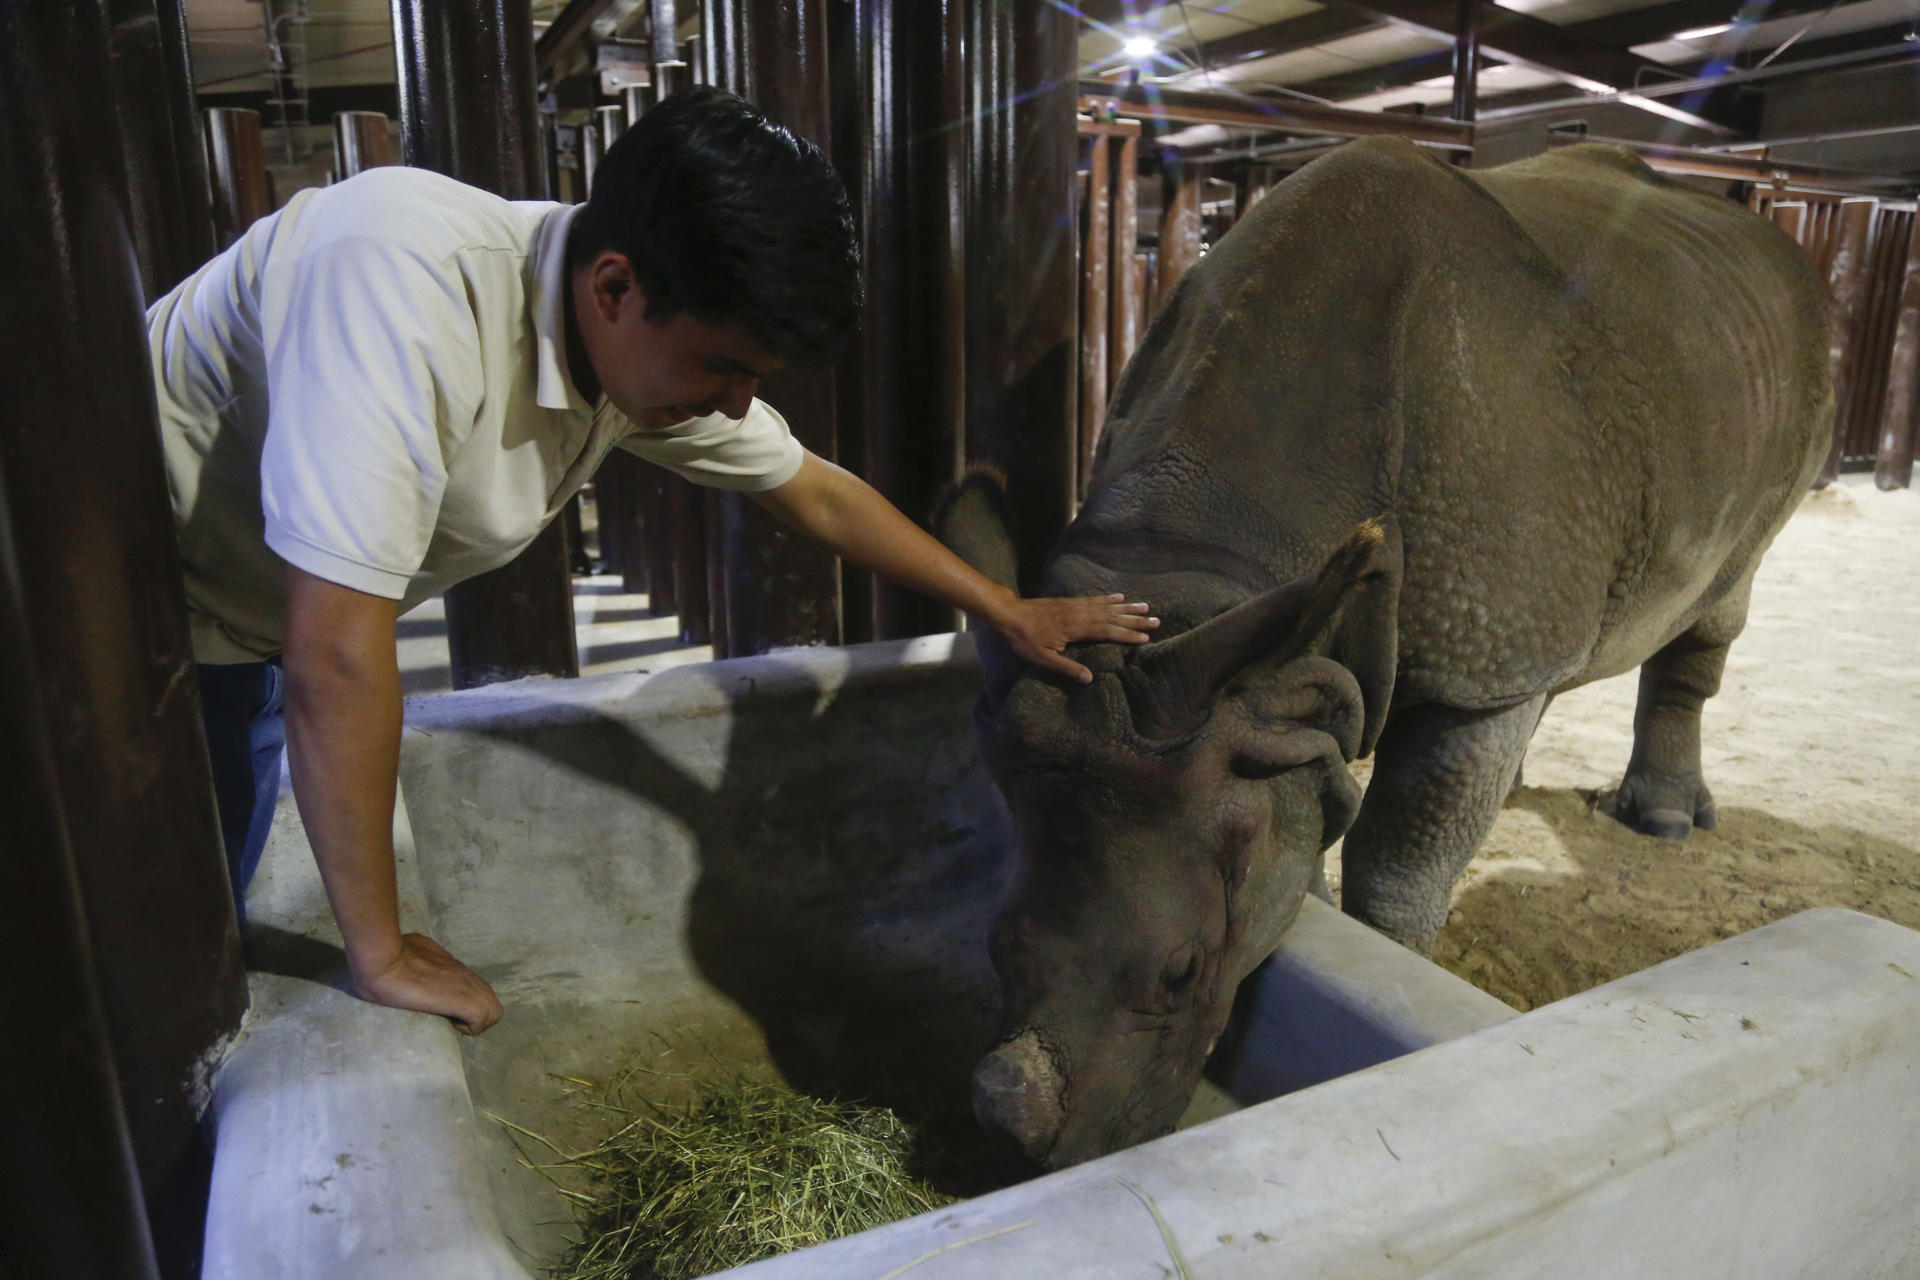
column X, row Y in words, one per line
column 547, row 259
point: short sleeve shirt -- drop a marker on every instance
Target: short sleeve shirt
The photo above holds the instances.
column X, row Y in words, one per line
column 371, row 385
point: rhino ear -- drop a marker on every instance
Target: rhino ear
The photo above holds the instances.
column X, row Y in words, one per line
column 1347, row 611
column 972, row 517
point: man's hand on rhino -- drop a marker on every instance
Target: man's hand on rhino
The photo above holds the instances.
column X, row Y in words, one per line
column 1040, row 630
column 424, row 976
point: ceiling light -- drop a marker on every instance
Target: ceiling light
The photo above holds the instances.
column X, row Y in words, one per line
column 1701, row 33
column 1140, row 48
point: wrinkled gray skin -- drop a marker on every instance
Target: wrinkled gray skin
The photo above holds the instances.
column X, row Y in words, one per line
column 1581, row 399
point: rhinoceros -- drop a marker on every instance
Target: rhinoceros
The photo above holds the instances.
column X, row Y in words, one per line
column 1411, row 450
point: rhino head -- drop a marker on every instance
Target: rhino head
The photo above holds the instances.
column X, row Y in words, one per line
column 1169, row 817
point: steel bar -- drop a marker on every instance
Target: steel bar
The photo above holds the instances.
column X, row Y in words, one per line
column 781, row 589
column 467, row 109
column 70, row 1202
column 1894, row 53
column 1270, row 115
column 1466, row 60
column 1096, row 302
column 152, row 89
column 1893, row 456
column 657, row 539
column 716, row 580
column 937, row 87
column 1872, row 351
column 1520, row 38
column 687, row 509
column 1125, row 282
column 237, row 155
column 1022, row 294
column 1845, row 274
column 1179, row 222
column 1797, row 177
column 92, row 527
column 362, row 140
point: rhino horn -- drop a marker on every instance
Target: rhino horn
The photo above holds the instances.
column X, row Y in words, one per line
column 1018, row 1092
column 1172, row 685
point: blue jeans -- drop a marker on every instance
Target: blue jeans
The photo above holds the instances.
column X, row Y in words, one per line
column 242, row 705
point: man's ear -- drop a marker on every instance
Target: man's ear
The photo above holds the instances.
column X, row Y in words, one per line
column 613, row 286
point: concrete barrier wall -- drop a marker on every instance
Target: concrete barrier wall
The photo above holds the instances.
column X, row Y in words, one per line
column 789, row 854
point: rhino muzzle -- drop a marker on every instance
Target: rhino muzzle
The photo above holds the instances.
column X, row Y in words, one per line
column 1018, row 1091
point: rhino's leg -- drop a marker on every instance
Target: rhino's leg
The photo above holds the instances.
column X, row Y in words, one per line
column 1663, row 793
column 1439, row 777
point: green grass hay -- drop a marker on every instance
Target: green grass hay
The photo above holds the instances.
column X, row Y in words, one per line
column 742, row 1172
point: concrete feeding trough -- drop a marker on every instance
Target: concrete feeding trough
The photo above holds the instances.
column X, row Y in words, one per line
column 789, row 863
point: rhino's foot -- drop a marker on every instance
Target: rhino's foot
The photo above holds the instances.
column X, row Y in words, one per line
column 1666, row 808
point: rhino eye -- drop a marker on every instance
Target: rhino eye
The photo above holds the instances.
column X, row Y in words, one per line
column 1181, row 971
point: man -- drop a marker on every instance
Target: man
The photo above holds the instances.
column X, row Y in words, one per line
column 393, row 384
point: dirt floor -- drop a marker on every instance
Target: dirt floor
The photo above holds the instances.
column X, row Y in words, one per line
column 1811, row 749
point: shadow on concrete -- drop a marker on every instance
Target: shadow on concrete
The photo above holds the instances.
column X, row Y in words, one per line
column 1598, row 900
column 849, row 862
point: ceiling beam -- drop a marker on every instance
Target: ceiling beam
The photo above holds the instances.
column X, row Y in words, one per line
column 1286, row 36
column 1513, row 36
column 1875, row 46
column 1275, row 115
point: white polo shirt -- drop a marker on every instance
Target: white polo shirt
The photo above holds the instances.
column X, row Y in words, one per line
column 371, row 384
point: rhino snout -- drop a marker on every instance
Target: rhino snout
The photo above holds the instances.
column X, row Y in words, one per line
column 1018, row 1092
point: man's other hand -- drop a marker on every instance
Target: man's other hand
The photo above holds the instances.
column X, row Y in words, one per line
column 1040, row 630
column 425, row 977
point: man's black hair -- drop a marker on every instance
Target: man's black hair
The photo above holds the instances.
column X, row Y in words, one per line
column 732, row 218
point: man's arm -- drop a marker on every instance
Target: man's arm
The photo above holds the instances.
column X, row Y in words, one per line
column 343, row 745
column 846, row 514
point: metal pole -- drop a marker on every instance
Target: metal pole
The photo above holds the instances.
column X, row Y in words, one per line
column 1844, row 277
column 238, row 155
column 1096, row 307
column 1022, row 294
column 1893, row 458
column 99, row 578
column 1127, row 300
column 468, row 110
column 160, row 140
column 781, row 590
column 362, row 140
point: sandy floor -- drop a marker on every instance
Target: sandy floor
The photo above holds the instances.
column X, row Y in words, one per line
column 1812, row 750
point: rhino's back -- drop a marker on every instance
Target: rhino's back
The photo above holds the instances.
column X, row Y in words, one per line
column 1678, row 371
column 1589, row 396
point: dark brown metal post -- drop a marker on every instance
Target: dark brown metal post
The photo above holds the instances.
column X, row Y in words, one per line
column 1179, row 222
column 99, row 578
column 656, row 539
column 362, row 140
column 1023, row 296
column 238, row 156
column 1893, row 460
column 1466, row 63
column 716, row 580
column 1096, row 318
column 467, row 109
column 919, row 449
column 688, row 511
column 781, row 589
column 1845, row 274
column 69, row 1194
column 160, row 140
column 860, row 43
column 1125, row 283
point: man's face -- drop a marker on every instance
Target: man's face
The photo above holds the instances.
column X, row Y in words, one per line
column 659, row 372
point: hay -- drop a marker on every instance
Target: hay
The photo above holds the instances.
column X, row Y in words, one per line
column 742, row 1172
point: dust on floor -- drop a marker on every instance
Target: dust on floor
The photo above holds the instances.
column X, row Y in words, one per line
column 1811, row 749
